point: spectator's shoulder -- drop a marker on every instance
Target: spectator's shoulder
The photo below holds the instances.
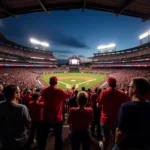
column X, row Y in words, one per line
column 105, row 92
column 2, row 103
column 21, row 106
column 127, row 105
column 93, row 95
column 89, row 109
column 61, row 90
column 120, row 91
column 31, row 102
column 73, row 109
column 44, row 89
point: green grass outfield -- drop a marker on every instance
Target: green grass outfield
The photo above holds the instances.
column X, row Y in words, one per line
column 79, row 79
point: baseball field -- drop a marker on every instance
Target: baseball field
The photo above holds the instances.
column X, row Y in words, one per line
column 67, row 80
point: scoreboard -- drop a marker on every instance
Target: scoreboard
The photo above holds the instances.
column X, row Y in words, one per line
column 74, row 61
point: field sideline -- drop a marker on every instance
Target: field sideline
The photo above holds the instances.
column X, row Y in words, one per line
column 66, row 80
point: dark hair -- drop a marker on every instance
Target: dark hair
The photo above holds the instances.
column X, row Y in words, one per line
column 76, row 92
column 52, row 83
column 89, row 90
column 28, row 91
column 99, row 91
column 83, row 88
column 31, row 89
column 9, row 91
column 96, row 89
column 142, row 86
column 82, row 98
column 35, row 96
column 38, row 90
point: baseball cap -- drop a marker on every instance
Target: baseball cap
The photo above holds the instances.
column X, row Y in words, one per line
column 111, row 81
column 53, row 79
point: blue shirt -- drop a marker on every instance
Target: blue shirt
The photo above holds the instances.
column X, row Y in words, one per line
column 134, row 119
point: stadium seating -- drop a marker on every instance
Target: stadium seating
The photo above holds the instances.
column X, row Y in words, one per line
column 20, row 76
column 25, row 53
column 127, row 55
column 123, row 76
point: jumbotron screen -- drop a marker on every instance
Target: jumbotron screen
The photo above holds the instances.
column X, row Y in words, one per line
column 74, row 61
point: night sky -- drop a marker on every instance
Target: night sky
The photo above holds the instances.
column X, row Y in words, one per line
column 74, row 32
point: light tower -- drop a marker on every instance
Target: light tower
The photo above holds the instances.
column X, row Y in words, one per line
column 143, row 36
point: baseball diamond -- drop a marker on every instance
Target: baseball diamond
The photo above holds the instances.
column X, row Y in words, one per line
column 66, row 80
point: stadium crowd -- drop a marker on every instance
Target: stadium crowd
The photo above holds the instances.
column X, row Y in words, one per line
column 25, row 53
column 26, row 77
column 122, row 56
column 146, row 63
column 123, row 76
column 121, row 116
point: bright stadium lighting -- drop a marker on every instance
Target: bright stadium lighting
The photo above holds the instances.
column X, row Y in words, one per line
column 101, row 47
column 34, row 41
column 111, row 45
column 106, row 46
column 144, row 35
column 44, row 44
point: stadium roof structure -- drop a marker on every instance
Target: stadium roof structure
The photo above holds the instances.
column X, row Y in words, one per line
column 135, row 8
column 12, row 43
column 5, row 40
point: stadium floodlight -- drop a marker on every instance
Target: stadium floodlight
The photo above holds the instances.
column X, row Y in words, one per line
column 111, row 45
column 106, row 46
column 144, row 35
column 34, row 41
column 101, row 47
column 44, row 44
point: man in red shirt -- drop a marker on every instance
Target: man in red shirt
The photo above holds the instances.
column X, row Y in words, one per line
column 97, row 113
column 27, row 98
column 53, row 99
column 35, row 108
column 110, row 100
column 80, row 119
column 89, row 92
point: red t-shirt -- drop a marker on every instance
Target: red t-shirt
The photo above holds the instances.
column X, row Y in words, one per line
column 27, row 99
column 35, row 109
column 110, row 100
column 80, row 120
column 93, row 99
column 53, row 98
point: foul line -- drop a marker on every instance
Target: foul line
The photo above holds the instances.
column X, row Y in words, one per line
column 63, row 83
column 86, row 81
column 79, row 83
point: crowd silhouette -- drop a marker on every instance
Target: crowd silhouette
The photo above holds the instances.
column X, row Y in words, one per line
column 110, row 115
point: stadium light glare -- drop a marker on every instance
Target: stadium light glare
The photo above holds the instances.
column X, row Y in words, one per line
column 34, row 41
column 144, row 35
column 101, row 47
column 106, row 46
column 111, row 45
column 44, row 44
